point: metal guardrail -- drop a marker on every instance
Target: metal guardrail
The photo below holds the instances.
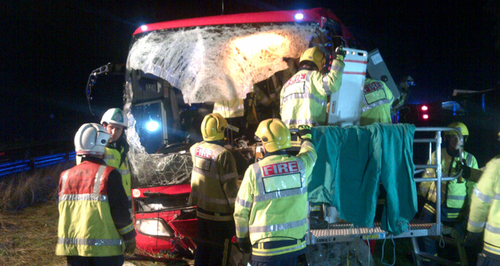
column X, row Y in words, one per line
column 12, row 167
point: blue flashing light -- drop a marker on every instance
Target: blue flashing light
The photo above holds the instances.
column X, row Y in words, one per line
column 152, row 126
column 299, row 16
column 144, row 28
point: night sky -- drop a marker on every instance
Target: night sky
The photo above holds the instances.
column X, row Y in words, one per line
column 49, row 49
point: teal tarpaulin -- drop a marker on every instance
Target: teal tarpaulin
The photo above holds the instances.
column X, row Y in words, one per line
column 353, row 161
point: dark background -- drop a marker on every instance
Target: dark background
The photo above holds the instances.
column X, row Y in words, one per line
column 48, row 50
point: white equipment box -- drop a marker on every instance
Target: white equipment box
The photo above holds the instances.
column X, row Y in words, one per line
column 345, row 104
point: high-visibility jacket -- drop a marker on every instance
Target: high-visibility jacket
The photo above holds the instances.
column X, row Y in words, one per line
column 230, row 109
column 213, row 181
column 376, row 104
column 89, row 224
column 304, row 97
column 485, row 207
column 113, row 158
column 455, row 194
column 272, row 202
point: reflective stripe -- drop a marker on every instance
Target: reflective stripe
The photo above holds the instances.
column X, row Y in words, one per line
column 227, row 108
column 304, row 96
column 98, row 178
column 83, row 197
column 242, row 229
column 430, row 208
column 229, row 176
column 277, row 227
column 484, row 197
column 89, row 242
column 476, row 224
column 491, row 248
column 215, row 217
column 325, row 85
column 213, row 200
column 205, row 173
column 64, row 179
column 455, row 197
column 258, row 179
column 310, row 145
column 124, row 172
column 243, row 203
column 495, row 230
column 280, row 194
column 469, row 160
column 424, row 190
column 300, row 122
column 126, row 229
column 336, row 68
column 271, row 252
column 302, row 170
column 376, row 104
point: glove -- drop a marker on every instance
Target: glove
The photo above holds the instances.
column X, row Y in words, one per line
column 130, row 246
column 305, row 132
column 473, row 239
column 245, row 245
column 465, row 170
column 340, row 53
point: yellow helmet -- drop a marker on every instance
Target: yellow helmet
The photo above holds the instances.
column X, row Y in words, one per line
column 314, row 55
column 274, row 134
column 460, row 126
column 213, row 126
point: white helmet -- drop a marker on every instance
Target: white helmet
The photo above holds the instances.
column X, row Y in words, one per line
column 91, row 139
column 115, row 116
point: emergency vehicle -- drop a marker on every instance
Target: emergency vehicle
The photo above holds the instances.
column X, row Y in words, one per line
column 175, row 71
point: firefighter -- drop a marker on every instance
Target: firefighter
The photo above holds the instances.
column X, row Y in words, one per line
column 376, row 103
column 304, row 97
column 455, row 194
column 271, row 207
column 213, row 190
column 115, row 121
column 485, row 215
column 94, row 225
column 234, row 113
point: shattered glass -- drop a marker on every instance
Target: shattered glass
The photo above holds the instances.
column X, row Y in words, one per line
column 219, row 62
column 149, row 170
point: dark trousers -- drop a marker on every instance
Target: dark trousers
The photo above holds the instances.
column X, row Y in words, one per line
column 488, row 259
column 283, row 262
column 213, row 245
column 95, row 261
column 429, row 245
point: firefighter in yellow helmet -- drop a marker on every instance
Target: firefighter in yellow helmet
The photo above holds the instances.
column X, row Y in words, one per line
column 94, row 225
column 213, row 191
column 455, row 194
column 115, row 121
column 304, row 97
column 271, row 207
column 484, row 216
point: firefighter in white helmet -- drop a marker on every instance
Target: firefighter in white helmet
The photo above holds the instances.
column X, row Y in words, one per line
column 484, row 216
column 94, row 225
column 115, row 121
column 213, row 190
column 304, row 97
column 271, row 207
column 455, row 194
